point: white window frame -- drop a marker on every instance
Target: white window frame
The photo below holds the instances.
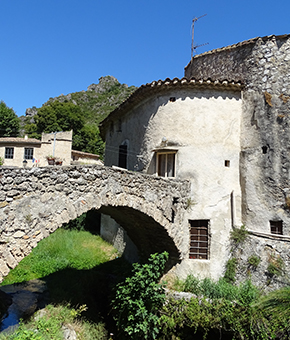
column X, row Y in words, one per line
column 9, row 153
column 166, row 171
column 28, row 154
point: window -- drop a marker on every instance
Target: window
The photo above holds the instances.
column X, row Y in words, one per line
column 227, row 163
column 122, row 163
column 276, row 227
column 198, row 239
column 28, row 153
column 166, row 164
column 9, row 153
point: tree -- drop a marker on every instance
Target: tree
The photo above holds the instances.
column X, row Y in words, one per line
column 59, row 116
column 9, row 122
column 65, row 116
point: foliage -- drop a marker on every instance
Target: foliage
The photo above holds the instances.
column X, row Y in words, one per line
column 82, row 112
column 276, row 304
column 236, row 312
column 254, row 261
column 230, row 273
column 138, row 300
column 275, row 266
column 9, row 122
column 218, row 318
column 244, row 294
column 50, row 324
column 63, row 249
column 1, row 161
column 239, row 235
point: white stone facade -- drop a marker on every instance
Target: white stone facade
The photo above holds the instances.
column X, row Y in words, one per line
column 199, row 126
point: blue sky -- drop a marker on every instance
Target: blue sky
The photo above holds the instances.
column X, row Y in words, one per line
column 50, row 47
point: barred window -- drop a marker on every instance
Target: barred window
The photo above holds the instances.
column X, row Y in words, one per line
column 9, row 153
column 276, row 227
column 28, row 153
column 199, row 246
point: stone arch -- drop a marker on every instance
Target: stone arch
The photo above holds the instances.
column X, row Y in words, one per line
column 61, row 195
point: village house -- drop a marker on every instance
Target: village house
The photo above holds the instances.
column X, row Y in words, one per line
column 54, row 149
column 224, row 127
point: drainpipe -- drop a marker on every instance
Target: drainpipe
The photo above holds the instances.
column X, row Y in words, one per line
column 54, row 139
column 232, row 199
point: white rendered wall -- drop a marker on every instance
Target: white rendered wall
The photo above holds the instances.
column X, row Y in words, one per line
column 204, row 126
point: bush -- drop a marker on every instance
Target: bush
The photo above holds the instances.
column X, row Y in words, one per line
column 230, row 273
column 276, row 266
column 254, row 261
column 239, row 235
column 138, row 300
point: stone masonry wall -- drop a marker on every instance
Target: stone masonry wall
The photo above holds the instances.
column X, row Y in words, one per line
column 35, row 202
column 263, row 64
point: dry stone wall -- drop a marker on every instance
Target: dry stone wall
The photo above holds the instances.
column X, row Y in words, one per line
column 35, row 202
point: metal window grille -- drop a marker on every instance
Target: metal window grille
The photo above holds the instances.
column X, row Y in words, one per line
column 9, row 153
column 276, row 227
column 199, row 248
column 28, row 153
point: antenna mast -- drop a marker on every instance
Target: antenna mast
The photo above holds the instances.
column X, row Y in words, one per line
column 193, row 46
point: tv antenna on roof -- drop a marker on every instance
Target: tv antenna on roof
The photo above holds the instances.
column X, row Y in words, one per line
column 193, row 46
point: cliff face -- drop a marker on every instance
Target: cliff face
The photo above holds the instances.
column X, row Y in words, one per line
column 97, row 101
column 263, row 64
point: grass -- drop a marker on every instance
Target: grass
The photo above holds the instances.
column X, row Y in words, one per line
column 62, row 250
column 80, row 269
column 51, row 323
column 244, row 294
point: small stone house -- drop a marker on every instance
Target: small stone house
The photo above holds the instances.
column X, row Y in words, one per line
column 30, row 152
column 225, row 128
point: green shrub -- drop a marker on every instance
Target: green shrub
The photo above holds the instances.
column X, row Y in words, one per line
column 230, row 273
column 138, row 300
column 221, row 319
column 254, row 261
column 1, row 161
column 275, row 266
column 239, row 235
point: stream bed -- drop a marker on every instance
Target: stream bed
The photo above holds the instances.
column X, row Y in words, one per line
column 27, row 298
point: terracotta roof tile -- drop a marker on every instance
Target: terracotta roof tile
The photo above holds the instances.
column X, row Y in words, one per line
column 87, row 154
column 18, row 140
column 162, row 85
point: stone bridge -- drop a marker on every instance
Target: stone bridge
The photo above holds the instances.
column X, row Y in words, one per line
column 35, row 202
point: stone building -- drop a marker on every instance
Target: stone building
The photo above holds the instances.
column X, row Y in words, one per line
column 225, row 127
column 30, row 152
column 33, row 152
